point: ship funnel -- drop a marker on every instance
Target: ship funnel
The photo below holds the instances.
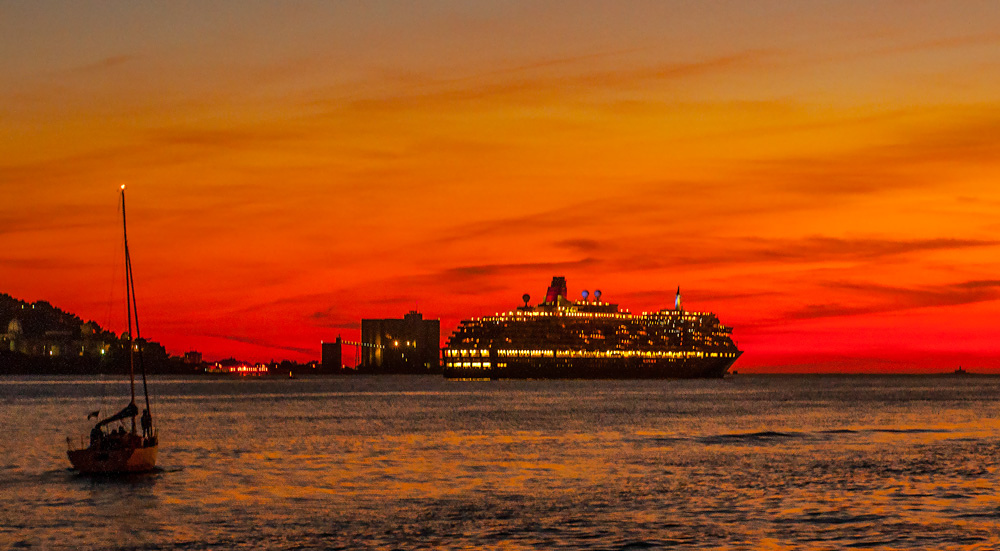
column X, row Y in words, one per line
column 556, row 289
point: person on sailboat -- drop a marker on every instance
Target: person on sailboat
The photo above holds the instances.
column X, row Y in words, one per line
column 147, row 423
column 96, row 436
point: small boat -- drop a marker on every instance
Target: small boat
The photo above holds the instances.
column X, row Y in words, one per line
column 121, row 451
column 961, row 371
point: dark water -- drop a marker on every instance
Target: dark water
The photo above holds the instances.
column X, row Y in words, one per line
column 773, row 462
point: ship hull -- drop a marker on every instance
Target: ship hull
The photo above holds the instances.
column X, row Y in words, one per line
column 117, row 461
column 599, row 368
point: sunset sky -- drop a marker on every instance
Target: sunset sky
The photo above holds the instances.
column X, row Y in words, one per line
column 825, row 176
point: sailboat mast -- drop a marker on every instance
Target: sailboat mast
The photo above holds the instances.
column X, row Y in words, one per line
column 138, row 337
column 129, row 302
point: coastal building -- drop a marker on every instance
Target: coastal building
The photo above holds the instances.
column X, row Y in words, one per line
column 332, row 358
column 232, row 366
column 86, row 341
column 13, row 339
column 408, row 345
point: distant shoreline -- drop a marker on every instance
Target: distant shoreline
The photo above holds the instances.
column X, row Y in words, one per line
column 306, row 376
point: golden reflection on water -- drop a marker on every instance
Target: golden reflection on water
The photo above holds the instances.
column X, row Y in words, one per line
column 541, row 465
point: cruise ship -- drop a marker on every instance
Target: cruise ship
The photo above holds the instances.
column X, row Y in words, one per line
column 589, row 339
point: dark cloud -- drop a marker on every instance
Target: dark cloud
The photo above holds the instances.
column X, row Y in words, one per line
column 953, row 42
column 969, row 137
column 589, row 216
column 666, row 296
column 831, row 310
column 229, row 138
column 813, row 249
column 472, row 280
column 571, row 60
column 837, row 179
column 57, row 217
column 882, row 299
column 561, row 217
column 491, row 270
column 106, row 63
column 155, row 147
column 56, row 173
column 426, row 93
column 293, row 301
column 580, row 245
column 742, row 192
column 333, row 320
column 915, row 157
column 257, row 342
column 665, row 250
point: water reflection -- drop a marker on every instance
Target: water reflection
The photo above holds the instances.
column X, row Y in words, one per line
column 407, row 462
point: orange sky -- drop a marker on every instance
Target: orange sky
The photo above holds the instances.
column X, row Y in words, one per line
column 822, row 175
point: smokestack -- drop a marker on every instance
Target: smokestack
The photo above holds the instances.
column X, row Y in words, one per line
column 556, row 289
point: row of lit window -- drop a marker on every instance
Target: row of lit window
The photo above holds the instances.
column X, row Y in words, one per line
column 240, row 369
column 466, row 353
column 514, row 316
column 478, row 365
column 646, row 356
column 629, row 317
column 589, row 354
column 639, row 328
column 544, row 334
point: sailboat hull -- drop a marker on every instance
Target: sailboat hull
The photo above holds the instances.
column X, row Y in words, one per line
column 119, row 461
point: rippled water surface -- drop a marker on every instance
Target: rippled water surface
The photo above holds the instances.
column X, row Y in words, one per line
column 796, row 462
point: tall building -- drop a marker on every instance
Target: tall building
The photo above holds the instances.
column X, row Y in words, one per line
column 332, row 355
column 408, row 345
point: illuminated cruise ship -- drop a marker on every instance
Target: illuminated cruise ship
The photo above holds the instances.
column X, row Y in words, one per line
column 589, row 339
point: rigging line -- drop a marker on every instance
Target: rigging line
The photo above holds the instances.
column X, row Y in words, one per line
column 130, row 291
column 138, row 336
column 128, row 280
column 110, row 321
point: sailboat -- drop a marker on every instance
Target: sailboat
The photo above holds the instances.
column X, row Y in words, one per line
column 120, row 451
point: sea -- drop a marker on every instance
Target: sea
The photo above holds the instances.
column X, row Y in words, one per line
column 419, row 462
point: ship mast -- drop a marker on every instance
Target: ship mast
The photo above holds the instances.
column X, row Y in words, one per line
column 133, row 313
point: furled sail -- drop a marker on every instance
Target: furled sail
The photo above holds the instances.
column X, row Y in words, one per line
column 129, row 411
